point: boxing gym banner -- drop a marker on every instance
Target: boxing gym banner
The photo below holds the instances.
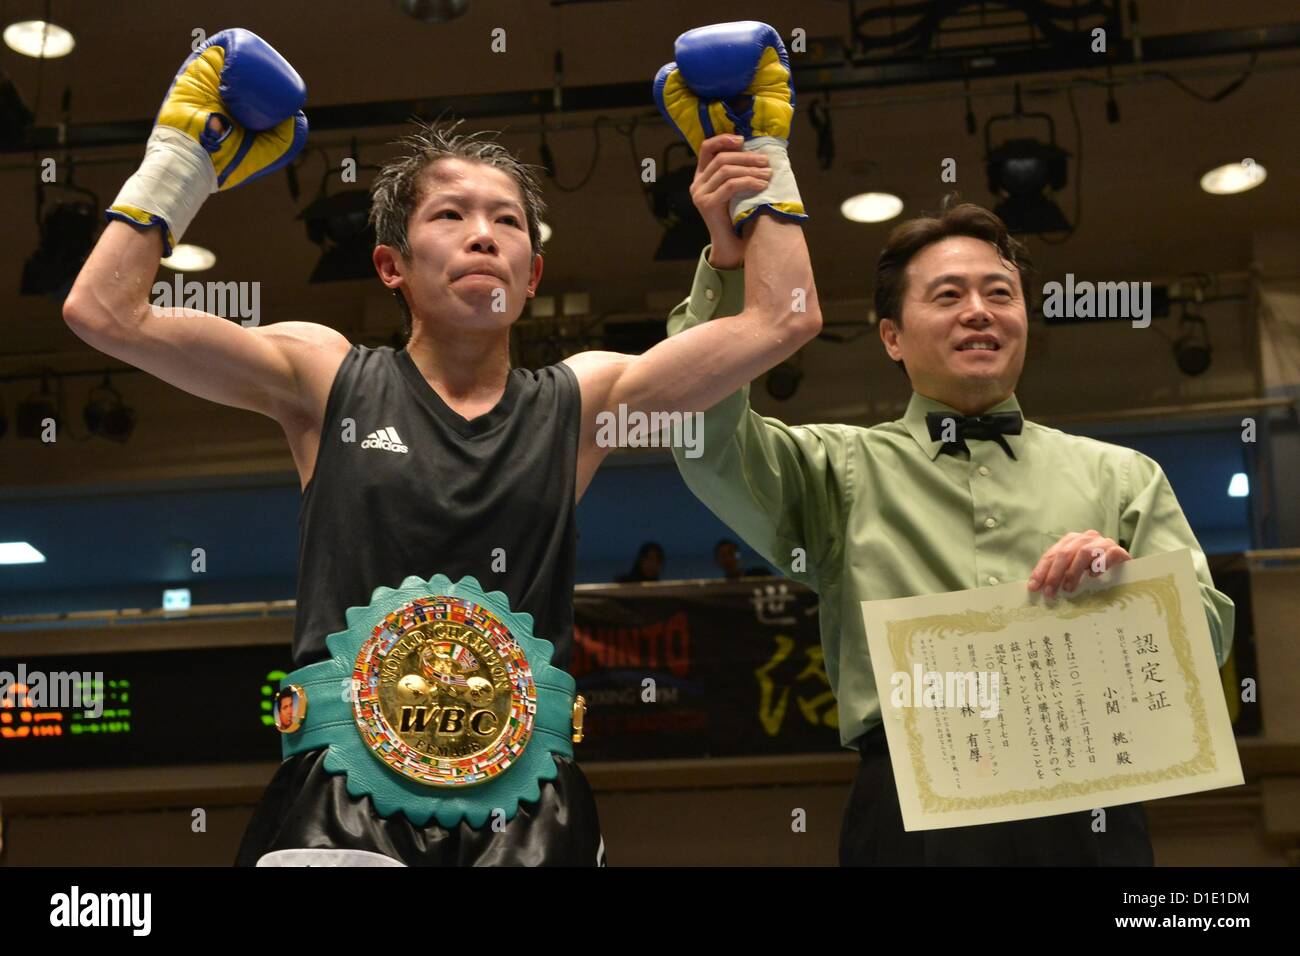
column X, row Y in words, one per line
column 697, row 670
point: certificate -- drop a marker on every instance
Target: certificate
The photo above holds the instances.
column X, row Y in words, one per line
column 1000, row 704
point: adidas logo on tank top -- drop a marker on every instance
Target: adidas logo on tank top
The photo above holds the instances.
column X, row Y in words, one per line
column 385, row 439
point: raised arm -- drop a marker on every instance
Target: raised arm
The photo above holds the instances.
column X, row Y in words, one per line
column 729, row 95
column 282, row 370
column 231, row 115
column 695, row 370
column 785, row 490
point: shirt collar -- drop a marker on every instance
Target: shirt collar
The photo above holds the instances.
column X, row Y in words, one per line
column 914, row 422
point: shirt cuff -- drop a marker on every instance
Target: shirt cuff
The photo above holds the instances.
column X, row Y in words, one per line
column 716, row 292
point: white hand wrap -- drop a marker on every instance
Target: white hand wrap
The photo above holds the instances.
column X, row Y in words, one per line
column 781, row 192
column 172, row 182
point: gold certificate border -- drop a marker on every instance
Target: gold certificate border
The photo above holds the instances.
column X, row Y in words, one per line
column 901, row 636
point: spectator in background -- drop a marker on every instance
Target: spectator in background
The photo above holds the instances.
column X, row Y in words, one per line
column 726, row 555
column 649, row 562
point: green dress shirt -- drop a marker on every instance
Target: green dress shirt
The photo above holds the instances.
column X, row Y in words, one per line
column 861, row 514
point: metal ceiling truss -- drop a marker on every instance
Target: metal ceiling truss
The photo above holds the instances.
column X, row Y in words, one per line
column 890, row 44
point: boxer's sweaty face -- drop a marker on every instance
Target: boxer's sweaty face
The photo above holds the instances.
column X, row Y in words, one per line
column 964, row 324
column 471, row 257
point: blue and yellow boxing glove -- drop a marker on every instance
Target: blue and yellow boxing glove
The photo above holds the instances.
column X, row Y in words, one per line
column 735, row 78
column 233, row 113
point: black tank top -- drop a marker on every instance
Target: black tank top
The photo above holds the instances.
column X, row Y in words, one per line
column 423, row 491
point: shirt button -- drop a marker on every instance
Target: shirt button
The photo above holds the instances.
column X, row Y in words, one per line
column 984, row 471
column 710, row 294
column 990, row 522
column 992, row 579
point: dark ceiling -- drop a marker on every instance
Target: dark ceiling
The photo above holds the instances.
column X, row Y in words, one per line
column 1142, row 211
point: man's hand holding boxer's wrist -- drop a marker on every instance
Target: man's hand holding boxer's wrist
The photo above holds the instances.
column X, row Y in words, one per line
column 724, row 171
column 730, row 85
column 1064, row 563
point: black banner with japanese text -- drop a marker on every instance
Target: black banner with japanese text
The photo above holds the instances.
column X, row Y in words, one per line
column 696, row 670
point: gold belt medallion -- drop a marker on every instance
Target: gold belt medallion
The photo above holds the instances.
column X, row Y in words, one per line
column 445, row 695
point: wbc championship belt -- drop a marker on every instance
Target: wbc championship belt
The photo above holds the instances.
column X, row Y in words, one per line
column 437, row 701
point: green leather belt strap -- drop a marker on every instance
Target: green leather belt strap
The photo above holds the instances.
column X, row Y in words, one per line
column 332, row 703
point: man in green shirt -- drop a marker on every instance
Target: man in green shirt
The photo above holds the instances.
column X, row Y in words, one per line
column 958, row 493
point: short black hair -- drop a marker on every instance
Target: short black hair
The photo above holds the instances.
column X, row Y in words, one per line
column 400, row 186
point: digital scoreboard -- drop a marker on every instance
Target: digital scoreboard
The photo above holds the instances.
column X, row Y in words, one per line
column 140, row 708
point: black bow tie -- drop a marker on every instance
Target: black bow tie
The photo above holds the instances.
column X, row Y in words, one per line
column 984, row 427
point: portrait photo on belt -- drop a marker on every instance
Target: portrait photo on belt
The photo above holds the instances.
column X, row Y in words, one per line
column 936, row 362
